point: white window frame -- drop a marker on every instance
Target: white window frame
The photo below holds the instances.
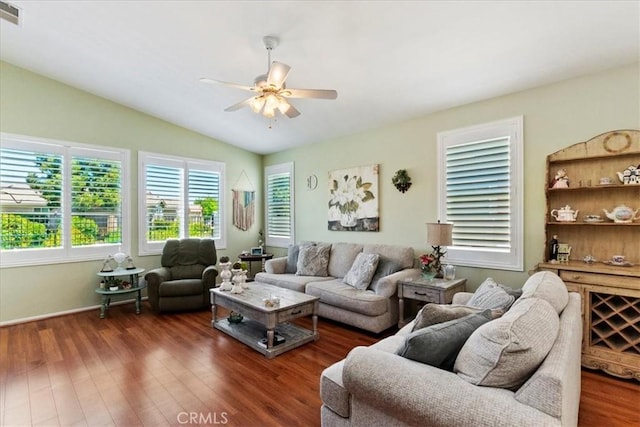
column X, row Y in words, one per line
column 67, row 253
column 154, row 248
column 279, row 242
column 508, row 259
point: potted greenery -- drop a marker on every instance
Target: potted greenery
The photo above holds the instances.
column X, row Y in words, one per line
column 401, row 180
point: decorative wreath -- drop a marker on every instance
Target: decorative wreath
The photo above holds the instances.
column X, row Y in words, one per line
column 611, row 135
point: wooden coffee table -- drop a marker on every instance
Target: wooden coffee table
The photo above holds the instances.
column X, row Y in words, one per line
column 261, row 324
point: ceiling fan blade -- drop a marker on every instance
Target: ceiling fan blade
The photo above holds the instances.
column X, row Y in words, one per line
column 239, row 105
column 220, row 82
column 278, row 74
column 310, row 93
column 292, row 112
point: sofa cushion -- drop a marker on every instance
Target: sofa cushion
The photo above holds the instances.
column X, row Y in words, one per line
column 438, row 345
column 192, row 271
column 342, row 258
column 506, row 351
column 313, row 260
column 401, row 254
column 179, row 288
column 432, row 314
column 361, row 272
column 339, row 294
column 490, row 295
column 549, row 287
column 289, row 281
column 292, row 259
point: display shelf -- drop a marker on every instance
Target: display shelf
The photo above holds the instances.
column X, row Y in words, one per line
column 610, row 293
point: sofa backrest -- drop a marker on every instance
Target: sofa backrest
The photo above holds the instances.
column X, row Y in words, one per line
column 187, row 258
column 403, row 255
column 342, row 257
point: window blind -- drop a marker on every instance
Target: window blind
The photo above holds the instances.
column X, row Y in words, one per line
column 478, row 194
column 204, row 193
column 279, row 205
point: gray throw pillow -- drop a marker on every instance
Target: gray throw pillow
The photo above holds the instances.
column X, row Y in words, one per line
column 313, row 260
column 362, row 270
column 438, row 345
column 386, row 266
column 292, row 259
column 432, row 314
column 490, row 295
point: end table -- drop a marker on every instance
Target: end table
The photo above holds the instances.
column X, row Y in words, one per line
column 136, row 286
column 250, row 259
column 437, row 291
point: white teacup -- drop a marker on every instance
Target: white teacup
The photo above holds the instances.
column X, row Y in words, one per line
column 618, row 259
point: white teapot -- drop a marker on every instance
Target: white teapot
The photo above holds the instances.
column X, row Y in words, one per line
column 564, row 214
column 622, row 214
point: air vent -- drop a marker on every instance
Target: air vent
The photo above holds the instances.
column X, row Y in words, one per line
column 9, row 13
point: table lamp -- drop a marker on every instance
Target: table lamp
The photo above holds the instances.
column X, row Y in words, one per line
column 439, row 235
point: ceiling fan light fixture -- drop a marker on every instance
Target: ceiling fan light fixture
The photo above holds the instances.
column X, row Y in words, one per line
column 269, row 113
column 283, row 106
column 257, row 103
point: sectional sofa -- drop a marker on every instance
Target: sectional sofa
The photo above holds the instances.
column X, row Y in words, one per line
column 520, row 369
column 373, row 307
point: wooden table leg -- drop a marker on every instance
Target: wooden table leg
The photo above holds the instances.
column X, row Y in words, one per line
column 270, row 336
column 104, row 306
column 139, row 302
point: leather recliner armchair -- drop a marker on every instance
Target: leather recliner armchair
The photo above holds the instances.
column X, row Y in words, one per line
column 188, row 272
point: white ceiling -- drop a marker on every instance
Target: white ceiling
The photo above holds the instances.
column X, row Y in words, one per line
column 388, row 60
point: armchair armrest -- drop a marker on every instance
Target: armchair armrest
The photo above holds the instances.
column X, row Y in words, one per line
column 388, row 286
column 419, row 394
column 276, row 265
column 154, row 278
column 209, row 277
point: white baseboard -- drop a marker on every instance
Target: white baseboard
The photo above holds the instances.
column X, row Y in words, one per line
column 64, row 313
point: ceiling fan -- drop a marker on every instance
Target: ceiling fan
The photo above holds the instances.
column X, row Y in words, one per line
column 271, row 93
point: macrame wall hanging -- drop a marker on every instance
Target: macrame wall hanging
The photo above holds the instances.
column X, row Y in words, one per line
column 244, row 203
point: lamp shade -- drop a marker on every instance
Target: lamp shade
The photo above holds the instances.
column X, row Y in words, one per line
column 439, row 234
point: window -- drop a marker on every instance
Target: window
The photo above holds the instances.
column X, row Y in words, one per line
column 481, row 193
column 61, row 201
column 179, row 198
column 279, row 205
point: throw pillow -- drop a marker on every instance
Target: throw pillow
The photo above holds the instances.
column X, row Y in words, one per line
column 548, row 286
column 438, row 345
column 386, row 266
column 517, row 293
column 292, row 259
column 313, row 260
column 490, row 295
column 432, row 314
column 362, row 270
column 506, row 351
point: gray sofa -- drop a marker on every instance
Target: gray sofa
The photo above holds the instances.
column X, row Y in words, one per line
column 375, row 386
column 373, row 309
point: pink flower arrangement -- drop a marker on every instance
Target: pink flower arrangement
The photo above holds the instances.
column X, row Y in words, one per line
column 428, row 262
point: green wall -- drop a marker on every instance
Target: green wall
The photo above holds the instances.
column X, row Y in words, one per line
column 555, row 116
column 33, row 105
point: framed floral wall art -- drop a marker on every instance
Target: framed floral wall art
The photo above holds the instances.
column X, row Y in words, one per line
column 353, row 199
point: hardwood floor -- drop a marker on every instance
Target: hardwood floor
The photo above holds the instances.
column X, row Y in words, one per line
column 129, row 370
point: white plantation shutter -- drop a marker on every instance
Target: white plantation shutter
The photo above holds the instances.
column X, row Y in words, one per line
column 480, row 192
column 61, row 201
column 279, row 205
column 172, row 193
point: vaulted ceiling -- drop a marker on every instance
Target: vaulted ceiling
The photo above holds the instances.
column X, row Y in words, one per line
column 389, row 60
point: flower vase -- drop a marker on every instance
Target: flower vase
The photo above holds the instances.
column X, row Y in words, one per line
column 348, row 219
column 237, row 281
column 225, row 275
column 429, row 274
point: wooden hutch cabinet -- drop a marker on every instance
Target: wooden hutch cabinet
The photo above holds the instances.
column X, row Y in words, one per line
column 610, row 291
